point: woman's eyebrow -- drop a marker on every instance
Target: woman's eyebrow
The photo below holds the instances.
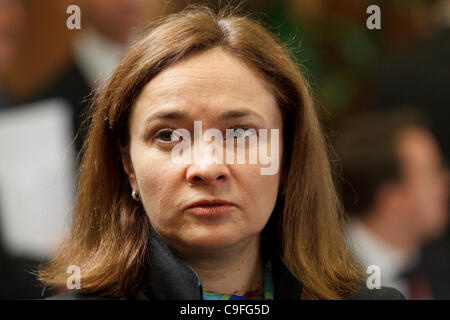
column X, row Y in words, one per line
column 174, row 115
column 181, row 115
column 239, row 113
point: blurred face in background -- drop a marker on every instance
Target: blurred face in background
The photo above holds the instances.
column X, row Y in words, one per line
column 12, row 18
column 118, row 19
column 425, row 183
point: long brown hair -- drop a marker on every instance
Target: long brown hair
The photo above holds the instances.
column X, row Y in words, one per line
column 109, row 235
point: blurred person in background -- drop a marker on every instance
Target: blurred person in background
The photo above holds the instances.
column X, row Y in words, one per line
column 15, row 282
column 418, row 74
column 395, row 190
column 108, row 27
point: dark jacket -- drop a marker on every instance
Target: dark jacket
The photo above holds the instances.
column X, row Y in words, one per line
column 71, row 86
column 169, row 278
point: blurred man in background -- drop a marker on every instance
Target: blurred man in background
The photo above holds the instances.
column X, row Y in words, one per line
column 15, row 282
column 396, row 191
column 108, row 27
column 418, row 75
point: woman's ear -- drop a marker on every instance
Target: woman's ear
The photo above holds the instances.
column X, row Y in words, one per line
column 128, row 168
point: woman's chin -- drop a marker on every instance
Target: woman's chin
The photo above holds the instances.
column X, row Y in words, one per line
column 211, row 241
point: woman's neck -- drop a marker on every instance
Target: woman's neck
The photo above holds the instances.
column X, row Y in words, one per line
column 237, row 270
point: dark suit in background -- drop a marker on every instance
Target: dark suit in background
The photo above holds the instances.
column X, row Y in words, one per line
column 71, row 85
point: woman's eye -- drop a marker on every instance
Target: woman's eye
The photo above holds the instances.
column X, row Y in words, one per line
column 240, row 132
column 166, row 135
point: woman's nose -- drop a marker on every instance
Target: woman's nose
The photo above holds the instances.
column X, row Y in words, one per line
column 207, row 174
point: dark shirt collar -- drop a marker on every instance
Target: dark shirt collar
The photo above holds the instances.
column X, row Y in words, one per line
column 169, row 278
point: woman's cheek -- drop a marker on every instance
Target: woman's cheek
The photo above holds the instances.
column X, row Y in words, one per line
column 255, row 186
column 159, row 188
column 266, row 191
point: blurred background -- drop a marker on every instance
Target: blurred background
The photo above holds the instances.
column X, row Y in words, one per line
column 383, row 96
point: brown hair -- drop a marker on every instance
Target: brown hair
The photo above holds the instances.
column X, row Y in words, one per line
column 108, row 239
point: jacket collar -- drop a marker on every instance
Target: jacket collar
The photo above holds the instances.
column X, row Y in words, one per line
column 169, row 278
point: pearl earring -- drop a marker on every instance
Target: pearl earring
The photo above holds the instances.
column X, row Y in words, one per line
column 135, row 195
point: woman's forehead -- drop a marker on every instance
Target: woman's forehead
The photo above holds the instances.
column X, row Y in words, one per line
column 210, row 79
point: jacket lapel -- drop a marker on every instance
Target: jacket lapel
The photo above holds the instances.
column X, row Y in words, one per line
column 169, row 278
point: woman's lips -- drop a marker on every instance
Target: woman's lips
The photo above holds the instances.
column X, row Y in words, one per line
column 210, row 210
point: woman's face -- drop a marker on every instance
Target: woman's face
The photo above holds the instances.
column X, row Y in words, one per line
column 223, row 93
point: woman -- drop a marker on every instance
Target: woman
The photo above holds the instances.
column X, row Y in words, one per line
column 147, row 226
